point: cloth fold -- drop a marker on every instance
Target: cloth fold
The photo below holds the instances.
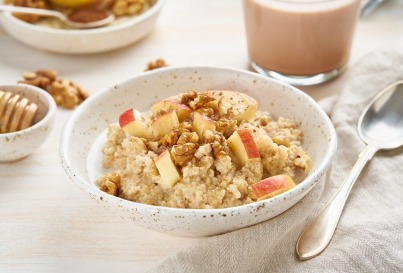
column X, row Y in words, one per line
column 369, row 237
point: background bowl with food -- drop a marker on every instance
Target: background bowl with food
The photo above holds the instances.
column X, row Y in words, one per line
column 134, row 20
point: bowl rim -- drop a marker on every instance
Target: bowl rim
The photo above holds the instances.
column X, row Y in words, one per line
column 308, row 184
column 48, row 98
column 75, row 32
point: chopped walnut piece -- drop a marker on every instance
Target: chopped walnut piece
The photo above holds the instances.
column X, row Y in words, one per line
column 170, row 139
column 50, row 74
column 205, row 111
column 226, row 126
column 200, row 100
column 109, row 187
column 188, row 97
column 39, row 78
column 185, row 126
column 158, row 63
column 183, row 153
column 128, row 7
column 218, row 149
column 67, row 94
column 188, row 137
column 210, row 137
column 111, row 184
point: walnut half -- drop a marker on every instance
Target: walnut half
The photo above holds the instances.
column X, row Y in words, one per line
column 183, row 153
column 218, row 149
column 67, row 94
column 111, row 184
column 39, row 78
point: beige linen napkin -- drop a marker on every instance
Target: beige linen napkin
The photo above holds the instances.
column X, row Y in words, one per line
column 369, row 237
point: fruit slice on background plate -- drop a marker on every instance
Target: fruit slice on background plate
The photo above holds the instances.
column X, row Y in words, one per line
column 202, row 123
column 168, row 172
column 135, row 124
column 243, row 145
column 182, row 110
column 271, row 186
column 73, row 3
column 243, row 106
column 164, row 124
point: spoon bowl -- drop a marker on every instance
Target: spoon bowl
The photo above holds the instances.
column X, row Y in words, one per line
column 381, row 123
column 53, row 13
column 380, row 126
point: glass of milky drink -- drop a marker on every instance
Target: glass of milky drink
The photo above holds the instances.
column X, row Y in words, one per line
column 301, row 42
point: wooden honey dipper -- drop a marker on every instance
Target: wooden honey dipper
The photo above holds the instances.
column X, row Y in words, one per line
column 16, row 112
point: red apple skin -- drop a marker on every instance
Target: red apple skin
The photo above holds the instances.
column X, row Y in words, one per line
column 249, row 143
column 126, row 117
column 182, row 110
column 271, row 186
column 243, row 146
column 135, row 124
column 202, row 123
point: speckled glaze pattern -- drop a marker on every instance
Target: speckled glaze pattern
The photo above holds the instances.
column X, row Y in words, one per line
column 83, row 41
column 17, row 145
column 140, row 92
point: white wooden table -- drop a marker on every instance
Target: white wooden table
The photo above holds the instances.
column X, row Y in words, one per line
column 47, row 224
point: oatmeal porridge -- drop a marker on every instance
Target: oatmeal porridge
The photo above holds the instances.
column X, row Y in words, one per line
column 212, row 149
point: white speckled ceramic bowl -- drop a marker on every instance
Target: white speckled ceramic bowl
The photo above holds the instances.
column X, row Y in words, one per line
column 96, row 113
column 82, row 41
column 17, row 145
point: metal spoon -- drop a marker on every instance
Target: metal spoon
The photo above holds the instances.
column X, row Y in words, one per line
column 59, row 15
column 369, row 7
column 380, row 127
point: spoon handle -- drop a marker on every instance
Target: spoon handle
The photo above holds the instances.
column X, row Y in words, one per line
column 317, row 235
column 43, row 12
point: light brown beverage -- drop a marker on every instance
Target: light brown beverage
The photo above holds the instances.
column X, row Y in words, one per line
column 300, row 37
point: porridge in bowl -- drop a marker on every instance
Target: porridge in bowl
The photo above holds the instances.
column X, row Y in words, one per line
column 212, row 149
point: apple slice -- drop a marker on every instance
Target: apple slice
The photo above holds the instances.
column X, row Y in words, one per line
column 271, row 186
column 164, row 124
column 168, row 172
column 244, row 107
column 182, row 110
column 202, row 123
column 135, row 124
column 243, row 145
column 72, row 3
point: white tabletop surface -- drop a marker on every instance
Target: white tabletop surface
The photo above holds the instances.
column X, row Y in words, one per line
column 46, row 222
